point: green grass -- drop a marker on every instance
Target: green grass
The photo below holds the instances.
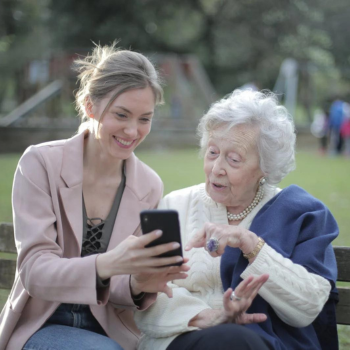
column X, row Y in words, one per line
column 3, row 297
column 178, row 169
column 328, row 180
column 344, row 337
column 8, row 256
column 8, row 163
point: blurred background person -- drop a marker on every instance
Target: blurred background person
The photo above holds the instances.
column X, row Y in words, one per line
column 336, row 117
column 319, row 128
column 345, row 130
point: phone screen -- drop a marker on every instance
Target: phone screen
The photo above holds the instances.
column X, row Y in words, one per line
column 168, row 222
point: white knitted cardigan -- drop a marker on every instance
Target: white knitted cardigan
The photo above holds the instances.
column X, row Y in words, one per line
column 296, row 295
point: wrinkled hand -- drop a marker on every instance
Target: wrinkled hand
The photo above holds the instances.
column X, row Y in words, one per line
column 227, row 235
column 157, row 282
column 131, row 257
column 234, row 311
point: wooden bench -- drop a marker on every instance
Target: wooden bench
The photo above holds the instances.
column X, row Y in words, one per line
column 7, row 256
column 8, row 268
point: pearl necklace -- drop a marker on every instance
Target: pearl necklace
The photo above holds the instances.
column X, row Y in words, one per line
column 258, row 197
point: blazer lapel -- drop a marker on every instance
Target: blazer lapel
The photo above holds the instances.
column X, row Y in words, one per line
column 128, row 217
column 132, row 203
column 72, row 174
column 72, row 202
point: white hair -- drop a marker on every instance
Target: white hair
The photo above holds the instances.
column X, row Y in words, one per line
column 276, row 137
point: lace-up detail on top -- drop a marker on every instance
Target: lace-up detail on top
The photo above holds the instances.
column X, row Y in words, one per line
column 91, row 243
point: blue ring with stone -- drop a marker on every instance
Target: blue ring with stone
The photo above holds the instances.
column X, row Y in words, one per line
column 213, row 245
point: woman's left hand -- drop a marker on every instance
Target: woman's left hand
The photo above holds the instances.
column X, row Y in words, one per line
column 227, row 235
column 234, row 310
column 157, row 282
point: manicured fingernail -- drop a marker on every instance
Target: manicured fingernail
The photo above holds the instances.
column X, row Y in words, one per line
column 176, row 245
column 159, row 233
column 178, row 259
column 187, row 247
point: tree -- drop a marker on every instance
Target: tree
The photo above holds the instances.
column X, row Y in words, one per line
column 22, row 39
column 237, row 40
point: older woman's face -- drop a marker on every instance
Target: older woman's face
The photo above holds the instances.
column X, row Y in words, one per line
column 231, row 166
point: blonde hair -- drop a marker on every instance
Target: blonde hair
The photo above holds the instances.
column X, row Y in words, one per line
column 110, row 69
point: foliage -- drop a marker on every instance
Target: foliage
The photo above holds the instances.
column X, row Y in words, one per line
column 336, row 23
column 238, row 41
column 8, row 163
column 22, row 39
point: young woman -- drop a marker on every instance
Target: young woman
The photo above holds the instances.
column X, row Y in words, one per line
column 82, row 269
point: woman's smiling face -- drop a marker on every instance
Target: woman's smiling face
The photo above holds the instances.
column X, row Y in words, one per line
column 126, row 123
column 231, row 166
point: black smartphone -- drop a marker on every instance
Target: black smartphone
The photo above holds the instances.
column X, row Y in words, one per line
column 168, row 222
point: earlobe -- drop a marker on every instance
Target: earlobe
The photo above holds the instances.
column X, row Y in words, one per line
column 88, row 107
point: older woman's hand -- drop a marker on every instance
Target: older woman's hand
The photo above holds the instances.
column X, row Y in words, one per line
column 234, row 310
column 227, row 235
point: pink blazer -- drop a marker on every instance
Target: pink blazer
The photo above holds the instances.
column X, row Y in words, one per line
column 47, row 208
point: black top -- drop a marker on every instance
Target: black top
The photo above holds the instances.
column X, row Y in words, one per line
column 96, row 231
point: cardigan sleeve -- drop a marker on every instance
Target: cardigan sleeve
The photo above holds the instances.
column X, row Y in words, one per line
column 296, row 295
column 170, row 316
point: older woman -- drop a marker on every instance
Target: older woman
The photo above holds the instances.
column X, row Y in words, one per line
column 242, row 225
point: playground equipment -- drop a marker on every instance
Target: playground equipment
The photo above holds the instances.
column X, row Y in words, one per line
column 287, row 84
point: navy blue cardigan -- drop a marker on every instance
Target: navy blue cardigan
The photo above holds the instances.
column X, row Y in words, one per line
column 301, row 228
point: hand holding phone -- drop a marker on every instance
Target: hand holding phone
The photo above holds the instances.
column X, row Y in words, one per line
column 168, row 222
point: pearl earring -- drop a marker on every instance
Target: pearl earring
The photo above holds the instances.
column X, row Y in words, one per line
column 262, row 181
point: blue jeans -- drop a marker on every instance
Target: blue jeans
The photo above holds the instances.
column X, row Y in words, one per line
column 71, row 327
column 228, row 336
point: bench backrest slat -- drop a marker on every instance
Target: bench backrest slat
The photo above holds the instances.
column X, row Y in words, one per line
column 7, row 273
column 343, row 307
column 342, row 255
column 7, row 241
